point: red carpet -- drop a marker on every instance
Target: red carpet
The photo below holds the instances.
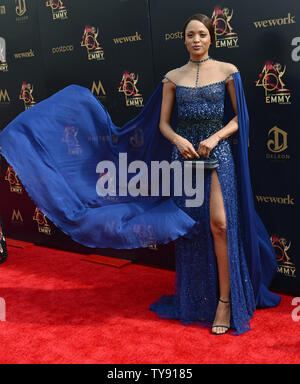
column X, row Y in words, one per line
column 63, row 310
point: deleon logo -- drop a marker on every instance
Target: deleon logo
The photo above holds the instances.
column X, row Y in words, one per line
column 129, row 88
column 285, row 265
column 42, row 222
column 21, row 7
column 277, row 143
column 59, row 11
column 225, row 36
column 26, row 95
column 70, row 138
column 13, row 180
column 90, row 41
column 137, row 139
column 3, row 63
column 270, row 79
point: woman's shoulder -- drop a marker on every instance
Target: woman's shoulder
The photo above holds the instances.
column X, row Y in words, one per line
column 228, row 68
column 174, row 74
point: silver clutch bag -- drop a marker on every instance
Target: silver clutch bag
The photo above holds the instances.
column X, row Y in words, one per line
column 208, row 163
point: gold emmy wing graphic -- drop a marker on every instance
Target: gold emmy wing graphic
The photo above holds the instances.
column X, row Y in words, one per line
column 129, row 88
column 42, row 222
column 58, row 9
column 90, row 41
column 26, row 95
column 225, row 36
column 270, row 79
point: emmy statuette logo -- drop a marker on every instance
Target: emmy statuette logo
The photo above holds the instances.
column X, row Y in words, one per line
column 224, row 32
column 90, row 42
column 40, row 218
column 59, row 11
column 26, row 95
column 285, row 264
column 270, row 79
column 128, row 86
column 14, row 183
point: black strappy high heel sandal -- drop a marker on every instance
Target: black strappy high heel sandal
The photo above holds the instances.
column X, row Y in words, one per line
column 220, row 325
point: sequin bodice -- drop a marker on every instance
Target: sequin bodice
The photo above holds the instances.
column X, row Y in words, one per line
column 200, row 115
column 201, row 103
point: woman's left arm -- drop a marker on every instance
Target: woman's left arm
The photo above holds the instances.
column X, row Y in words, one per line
column 233, row 124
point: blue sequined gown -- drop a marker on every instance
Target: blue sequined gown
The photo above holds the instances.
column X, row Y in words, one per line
column 200, row 113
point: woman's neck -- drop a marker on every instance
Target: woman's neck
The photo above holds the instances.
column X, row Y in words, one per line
column 198, row 60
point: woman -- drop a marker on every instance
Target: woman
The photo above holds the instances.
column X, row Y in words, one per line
column 199, row 88
column 220, row 253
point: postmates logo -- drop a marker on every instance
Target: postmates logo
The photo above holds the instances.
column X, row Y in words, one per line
column 11, row 177
column 225, row 35
column 128, row 86
column 90, row 42
column 40, row 218
column 59, row 11
column 26, row 94
column 271, row 79
column 3, row 63
column 281, row 247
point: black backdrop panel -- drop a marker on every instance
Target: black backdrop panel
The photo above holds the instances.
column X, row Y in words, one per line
column 51, row 44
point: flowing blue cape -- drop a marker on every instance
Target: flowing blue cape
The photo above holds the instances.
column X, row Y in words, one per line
column 55, row 147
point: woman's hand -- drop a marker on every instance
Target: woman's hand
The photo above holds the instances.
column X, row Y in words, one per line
column 186, row 148
column 207, row 145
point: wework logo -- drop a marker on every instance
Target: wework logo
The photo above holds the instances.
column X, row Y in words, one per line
column 276, row 200
column 275, row 22
column 128, row 39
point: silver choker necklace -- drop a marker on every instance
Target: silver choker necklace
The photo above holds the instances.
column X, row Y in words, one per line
column 200, row 61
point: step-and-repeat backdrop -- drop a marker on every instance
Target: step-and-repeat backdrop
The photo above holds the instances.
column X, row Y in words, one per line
column 46, row 45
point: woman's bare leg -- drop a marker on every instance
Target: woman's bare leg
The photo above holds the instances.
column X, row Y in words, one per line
column 218, row 228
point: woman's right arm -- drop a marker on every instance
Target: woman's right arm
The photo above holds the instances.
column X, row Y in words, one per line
column 168, row 99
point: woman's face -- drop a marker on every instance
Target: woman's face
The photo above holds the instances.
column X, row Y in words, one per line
column 197, row 38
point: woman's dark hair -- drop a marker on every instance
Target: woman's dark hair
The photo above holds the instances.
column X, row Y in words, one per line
column 204, row 20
